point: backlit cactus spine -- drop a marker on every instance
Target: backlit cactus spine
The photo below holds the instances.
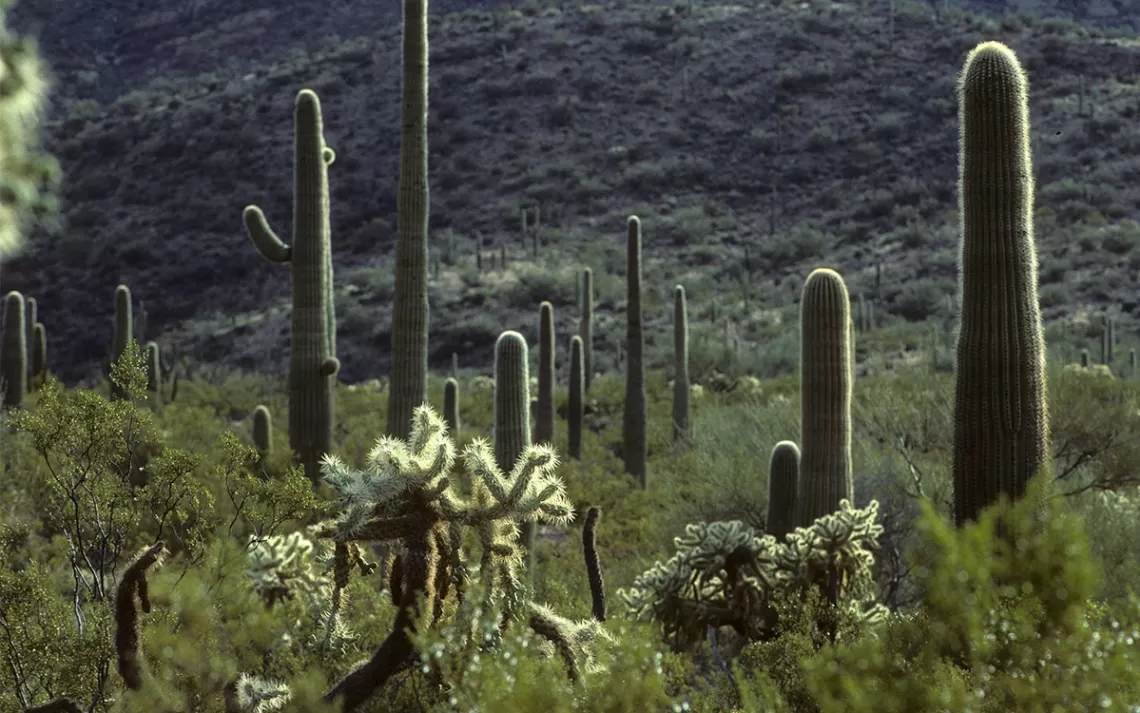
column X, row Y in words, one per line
column 14, row 352
column 123, row 334
column 577, row 390
column 544, row 412
column 586, row 327
column 826, row 382
column 408, row 371
column 1001, row 431
column 635, row 445
column 512, row 414
column 680, row 365
column 783, row 485
column 312, row 358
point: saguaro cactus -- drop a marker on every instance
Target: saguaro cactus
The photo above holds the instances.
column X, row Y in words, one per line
column 154, row 370
column 14, row 352
column 451, row 407
column 123, row 332
column 30, row 320
column 680, row 365
column 783, row 485
column 636, row 447
column 826, row 383
column 408, row 371
column 1001, row 432
column 312, row 358
column 586, row 326
column 512, row 414
column 544, row 412
column 39, row 354
column 262, row 429
column 574, row 417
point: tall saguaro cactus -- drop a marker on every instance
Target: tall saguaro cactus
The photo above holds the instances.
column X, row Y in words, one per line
column 14, row 352
column 636, row 447
column 544, row 413
column 826, row 383
column 154, row 370
column 39, row 355
column 123, row 332
column 577, row 389
column 586, row 327
column 312, row 357
column 451, row 407
column 1001, row 430
column 31, row 318
column 512, row 414
column 408, row 372
column 680, row 365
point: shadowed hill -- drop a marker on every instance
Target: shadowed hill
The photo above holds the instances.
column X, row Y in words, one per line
column 804, row 137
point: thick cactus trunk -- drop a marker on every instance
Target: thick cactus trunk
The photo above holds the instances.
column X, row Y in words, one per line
column 512, row 414
column 1001, row 434
column 123, row 332
column 577, row 389
column 586, row 327
column 633, row 424
column 408, row 373
column 451, row 407
column 14, row 352
column 680, row 365
column 826, row 385
column 783, row 485
column 544, row 412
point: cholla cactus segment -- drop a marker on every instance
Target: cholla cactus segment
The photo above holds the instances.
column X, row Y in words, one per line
column 255, row 695
column 375, row 504
column 530, row 491
column 298, row 566
column 394, row 469
column 727, row 573
column 281, row 566
column 575, row 641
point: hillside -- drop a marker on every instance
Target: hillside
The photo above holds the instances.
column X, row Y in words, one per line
column 101, row 51
column 806, row 136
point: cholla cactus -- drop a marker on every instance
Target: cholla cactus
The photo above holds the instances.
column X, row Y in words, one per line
column 405, row 493
column 282, row 566
column 285, row 566
column 249, row 694
column 726, row 573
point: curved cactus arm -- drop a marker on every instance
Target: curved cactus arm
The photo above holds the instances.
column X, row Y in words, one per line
column 264, row 239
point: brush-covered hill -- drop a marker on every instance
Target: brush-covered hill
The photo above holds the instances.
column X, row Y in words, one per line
column 102, row 50
column 754, row 142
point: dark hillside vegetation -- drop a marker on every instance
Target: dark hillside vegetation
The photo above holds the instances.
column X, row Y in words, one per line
column 752, row 141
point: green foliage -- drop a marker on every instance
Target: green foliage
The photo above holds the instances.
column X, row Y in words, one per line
column 1006, row 624
column 103, row 483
